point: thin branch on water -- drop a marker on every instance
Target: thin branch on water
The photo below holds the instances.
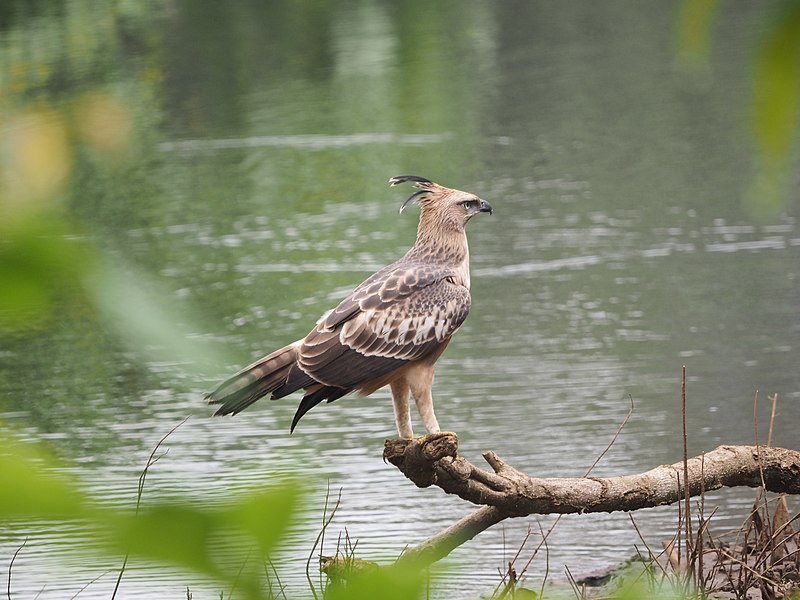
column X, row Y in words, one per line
column 588, row 472
column 686, row 492
column 653, row 557
column 546, row 563
column 528, row 534
column 580, row 593
column 76, row 594
column 11, row 565
column 238, row 575
column 501, row 572
column 326, row 521
column 558, row 518
column 774, row 399
column 510, row 573
column 151, row 460
column 281, row 587
column 614, row 438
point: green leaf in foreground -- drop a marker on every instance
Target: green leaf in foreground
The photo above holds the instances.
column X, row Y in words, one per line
column 390, row 583
column 264, row 515
column 174, row 534
column 30, row 489
column 228, row 542
column 41, row 258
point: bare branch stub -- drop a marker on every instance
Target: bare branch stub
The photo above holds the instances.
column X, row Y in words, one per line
column 434, row 460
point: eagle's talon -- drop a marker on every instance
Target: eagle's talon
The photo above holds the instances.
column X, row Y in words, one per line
column 436, row 446
column 432, row 437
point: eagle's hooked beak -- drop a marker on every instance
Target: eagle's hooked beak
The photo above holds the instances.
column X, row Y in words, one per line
column 485, row 206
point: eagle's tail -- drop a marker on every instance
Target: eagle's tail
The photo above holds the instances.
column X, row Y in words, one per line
column 255, row 381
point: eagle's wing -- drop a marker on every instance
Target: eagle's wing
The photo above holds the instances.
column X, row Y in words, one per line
column 402, row 313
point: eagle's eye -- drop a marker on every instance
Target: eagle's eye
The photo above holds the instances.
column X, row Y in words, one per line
column 470, row 204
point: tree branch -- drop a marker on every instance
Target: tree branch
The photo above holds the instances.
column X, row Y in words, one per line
column 506, row 492
column 443, row 543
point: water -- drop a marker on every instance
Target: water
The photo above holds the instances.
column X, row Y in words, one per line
column 252, row 191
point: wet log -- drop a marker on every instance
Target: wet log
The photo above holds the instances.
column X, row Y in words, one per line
column 505, row 492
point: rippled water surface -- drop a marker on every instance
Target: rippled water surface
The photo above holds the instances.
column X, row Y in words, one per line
column 623, row 246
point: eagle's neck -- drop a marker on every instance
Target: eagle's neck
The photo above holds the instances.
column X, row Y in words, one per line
column 443, row 245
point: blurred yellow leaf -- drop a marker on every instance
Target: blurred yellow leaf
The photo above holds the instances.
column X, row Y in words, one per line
column 777, row 89
column 776, row 101
column 36, row 156
column 694, row 24
column 103, row 122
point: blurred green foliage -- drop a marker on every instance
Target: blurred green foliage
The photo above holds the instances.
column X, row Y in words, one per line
column 179, row 533
column 775, row 98
column 50, row 256
column 176, row 532
column 388, row 584
column 57, row 143
column 30, row 488
column 38, row 263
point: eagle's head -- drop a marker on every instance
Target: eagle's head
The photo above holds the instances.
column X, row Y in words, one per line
column 441, row 205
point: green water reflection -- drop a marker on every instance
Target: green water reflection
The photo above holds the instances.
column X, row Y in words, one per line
column 230, row 163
